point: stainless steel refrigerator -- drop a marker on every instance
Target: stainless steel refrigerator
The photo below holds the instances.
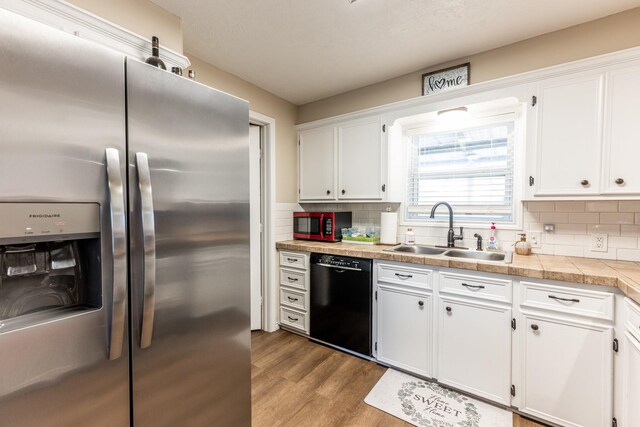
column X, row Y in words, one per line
column 124, row 240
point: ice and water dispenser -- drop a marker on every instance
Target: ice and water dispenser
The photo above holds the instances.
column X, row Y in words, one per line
column 49, row 260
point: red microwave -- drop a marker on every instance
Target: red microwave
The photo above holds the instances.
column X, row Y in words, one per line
column 323, row 226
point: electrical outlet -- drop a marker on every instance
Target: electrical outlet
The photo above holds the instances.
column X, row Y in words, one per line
column 599, row 243
column 534, row 237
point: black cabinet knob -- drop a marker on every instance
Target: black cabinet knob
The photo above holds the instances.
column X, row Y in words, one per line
column 343, row 192
column 421, row 303
column 448, row 309
column 584, row 182
column 619, row 181
column 534, row 327
column 328, row 192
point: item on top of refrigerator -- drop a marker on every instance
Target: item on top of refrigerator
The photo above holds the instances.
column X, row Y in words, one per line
column 365, row 235
column 492, row 243
column 154, row 59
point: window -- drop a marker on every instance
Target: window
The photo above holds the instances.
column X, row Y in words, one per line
column 470, row 168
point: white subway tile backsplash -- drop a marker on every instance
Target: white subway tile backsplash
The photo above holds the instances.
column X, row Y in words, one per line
column 568, row 250
column 629, row 206
column 612, row 230
column 630, row 230
column 602, row 206
column 629, row 254
column 616, row 218
column 575, row 222
column 554, row 217
column 541, row 206
column 571, row 228
column 584, row 218
column 570, row 206
column 623, row 242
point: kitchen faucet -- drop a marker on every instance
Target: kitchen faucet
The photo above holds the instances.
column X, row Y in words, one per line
column 451, row 235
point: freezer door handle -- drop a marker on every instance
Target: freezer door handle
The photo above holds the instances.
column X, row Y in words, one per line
column 149, row 243
column 118, row 251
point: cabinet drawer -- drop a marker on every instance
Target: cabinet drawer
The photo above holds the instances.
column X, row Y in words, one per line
column 292, row 298
column 293, row 278
column 408, row 276
column 294, row 260
column 293, row 319
column 476, row 286
column 632, row 317
column 563, row 299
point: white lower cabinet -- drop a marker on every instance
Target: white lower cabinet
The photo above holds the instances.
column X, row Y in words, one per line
column 404, row 317
column 566, row 362
column 474, row 348
column 405, row 328
column 631, row 367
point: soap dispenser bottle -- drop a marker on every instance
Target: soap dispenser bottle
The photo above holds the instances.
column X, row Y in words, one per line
column 522, row 246
column 410, row 237
column 492, row 243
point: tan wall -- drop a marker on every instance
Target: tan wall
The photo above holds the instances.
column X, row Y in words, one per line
column 139, row 16
column 270, row 105
column 615, row 32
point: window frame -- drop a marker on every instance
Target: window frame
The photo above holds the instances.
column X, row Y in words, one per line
column 516, row 113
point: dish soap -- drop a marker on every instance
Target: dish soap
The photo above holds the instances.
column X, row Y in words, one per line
column 522, row 246
column 410, row 237
column 492, row 244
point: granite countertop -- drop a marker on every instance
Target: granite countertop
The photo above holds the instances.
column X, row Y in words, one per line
column 624, row 275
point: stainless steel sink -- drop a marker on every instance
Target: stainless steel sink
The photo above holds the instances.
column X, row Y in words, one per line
column 416, row 249
column 483, row 256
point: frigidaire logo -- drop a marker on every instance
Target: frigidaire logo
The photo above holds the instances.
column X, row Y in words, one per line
column 44, row 215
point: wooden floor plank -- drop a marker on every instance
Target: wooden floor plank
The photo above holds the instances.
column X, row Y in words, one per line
column 297, row 382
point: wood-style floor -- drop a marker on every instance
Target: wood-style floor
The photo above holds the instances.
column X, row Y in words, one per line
column 296, row 382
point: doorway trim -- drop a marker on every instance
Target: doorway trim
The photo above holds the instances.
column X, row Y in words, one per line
column 269, row 256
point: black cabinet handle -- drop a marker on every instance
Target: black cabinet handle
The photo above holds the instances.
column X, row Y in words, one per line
column 421, row 303
column 292, row 260
column 584, row 182
column 292, row 279
column 343, row 192
column 292, row 299
column 328, row 192
column 293, row 319
column 404, row 276
column 564, row 299
column 619, row 181
column 534, row 327
column 448, row 309
column 473, row 286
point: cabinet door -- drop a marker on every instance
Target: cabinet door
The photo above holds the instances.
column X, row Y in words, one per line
column 474, row 348
column 360, row 160
column 317, row 164
column 404, row 327
column 631, row 375
column 622, row 130
column 567, row 372
column 569, row 136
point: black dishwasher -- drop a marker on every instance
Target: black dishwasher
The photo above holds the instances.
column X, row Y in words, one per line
column 340, row 312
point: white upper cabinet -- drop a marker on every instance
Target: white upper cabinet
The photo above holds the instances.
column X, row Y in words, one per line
column 360, row 160
column 585, row 134
column 569, row 135
column 317, row 164
column 344, row 161
column 622, row 131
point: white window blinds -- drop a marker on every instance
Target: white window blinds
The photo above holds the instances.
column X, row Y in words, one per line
column 470, row 168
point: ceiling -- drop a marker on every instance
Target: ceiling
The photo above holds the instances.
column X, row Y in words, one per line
column 305, row 50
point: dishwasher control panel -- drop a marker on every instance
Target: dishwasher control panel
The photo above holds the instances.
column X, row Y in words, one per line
column 341, row 262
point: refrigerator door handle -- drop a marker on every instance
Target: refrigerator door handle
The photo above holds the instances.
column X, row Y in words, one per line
column 149, row 243
column 118, row 252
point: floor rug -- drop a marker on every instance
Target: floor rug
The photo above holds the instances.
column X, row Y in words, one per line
column 424, row 403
